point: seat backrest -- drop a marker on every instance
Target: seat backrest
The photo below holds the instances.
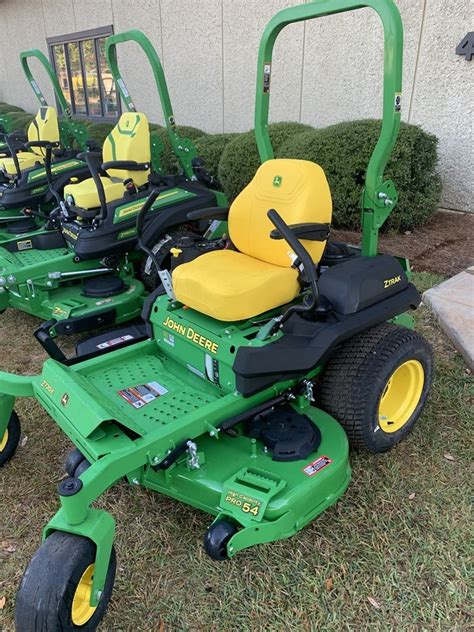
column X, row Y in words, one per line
column 298, row 191
column 44, row 126
column 129, row 140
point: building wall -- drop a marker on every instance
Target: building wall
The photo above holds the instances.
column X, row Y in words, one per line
column 324, row 71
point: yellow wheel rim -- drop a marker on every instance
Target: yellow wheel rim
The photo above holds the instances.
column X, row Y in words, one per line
column 4, row 441
column 401, row 396
column 82, row 611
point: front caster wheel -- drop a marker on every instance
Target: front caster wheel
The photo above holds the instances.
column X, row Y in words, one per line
column 217, row 538
column 55, row 591
column 9, row 441
column 73, row 460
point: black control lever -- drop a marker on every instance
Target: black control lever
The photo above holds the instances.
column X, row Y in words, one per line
column 139, row 226
column 306, row 261
column 43, row 336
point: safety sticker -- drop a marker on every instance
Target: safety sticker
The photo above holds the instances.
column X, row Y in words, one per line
column 114, row 341
column 195, row 371
column 168, row 338
column 24, row 245
column 143, row 394
column 316, row 466
column 398, row 101
column 212, row 369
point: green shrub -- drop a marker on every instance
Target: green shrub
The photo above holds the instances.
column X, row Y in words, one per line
column 344, row 150
column 168, row 160
column 84, row 121
column 240, row 159
column 5, row 108
column 99, row 132
column 20, row 120
column 210, row 149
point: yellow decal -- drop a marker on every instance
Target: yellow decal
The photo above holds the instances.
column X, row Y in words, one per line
column 48, row 387
column 69, row 233
column 132, row 210
column 192, row 335
column 59, row 311
column 245, row 503
column 388, row 282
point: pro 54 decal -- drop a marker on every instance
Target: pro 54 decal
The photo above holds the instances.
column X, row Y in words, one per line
column 245, row 503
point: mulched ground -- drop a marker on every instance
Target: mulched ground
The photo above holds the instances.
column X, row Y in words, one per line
column 444, row 246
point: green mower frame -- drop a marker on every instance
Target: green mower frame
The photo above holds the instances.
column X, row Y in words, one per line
column 189, row 440
column 38, row 281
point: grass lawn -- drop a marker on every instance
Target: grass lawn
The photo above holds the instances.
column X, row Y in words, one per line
column 392, row 554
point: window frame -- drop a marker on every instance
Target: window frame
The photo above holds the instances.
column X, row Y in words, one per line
column 78, row 37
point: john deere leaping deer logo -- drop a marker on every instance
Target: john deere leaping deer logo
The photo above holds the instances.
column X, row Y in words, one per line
column 277, row 180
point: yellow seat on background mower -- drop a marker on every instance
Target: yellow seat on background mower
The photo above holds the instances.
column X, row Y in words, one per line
column 129, row 140
column 230, row 285
column 86, row 196
column 44, row 126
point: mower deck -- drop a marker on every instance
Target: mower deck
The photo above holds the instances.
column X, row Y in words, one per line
column 34, row 288
column 234, row 476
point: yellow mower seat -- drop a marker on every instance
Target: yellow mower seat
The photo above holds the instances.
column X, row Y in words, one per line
column 86, row 196
column 229, row 285
column 26, row 160
column 44, row 126
column 129, row 140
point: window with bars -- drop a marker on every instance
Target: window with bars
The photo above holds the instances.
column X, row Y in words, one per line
column 81, row 66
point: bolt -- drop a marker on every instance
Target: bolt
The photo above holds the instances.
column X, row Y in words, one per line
column 382, row 195
column 156, row 459
column 49, row 283
column 2, row 280
column 135, row 481
column 11, row 278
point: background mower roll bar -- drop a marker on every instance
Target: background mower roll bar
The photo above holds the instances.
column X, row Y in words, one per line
column 70, row 130
column 183, row 148
column 379, row 196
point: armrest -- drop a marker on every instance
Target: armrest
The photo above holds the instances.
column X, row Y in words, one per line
column 214, row 212
column 16, row 136
column 42, row 143
column 285, row 232
column 312, row 231
column 96, row 156
column 128, row 165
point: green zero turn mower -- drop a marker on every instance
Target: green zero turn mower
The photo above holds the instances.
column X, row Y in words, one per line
column 79, row 272
column 26, row 198
column 249, row 383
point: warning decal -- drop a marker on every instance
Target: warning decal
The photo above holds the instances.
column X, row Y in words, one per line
column 316, row 466
column 114, row 341
column 139, row 396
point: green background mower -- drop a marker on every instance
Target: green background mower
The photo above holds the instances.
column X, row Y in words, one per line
column 81, row 271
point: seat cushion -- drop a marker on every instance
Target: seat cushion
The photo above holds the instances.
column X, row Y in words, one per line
column 231, row 286
column 26, row 160
column 86, row 196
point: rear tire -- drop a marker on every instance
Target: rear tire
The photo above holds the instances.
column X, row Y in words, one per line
column 10, row 440
column 376, row 385
column 54, row 591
